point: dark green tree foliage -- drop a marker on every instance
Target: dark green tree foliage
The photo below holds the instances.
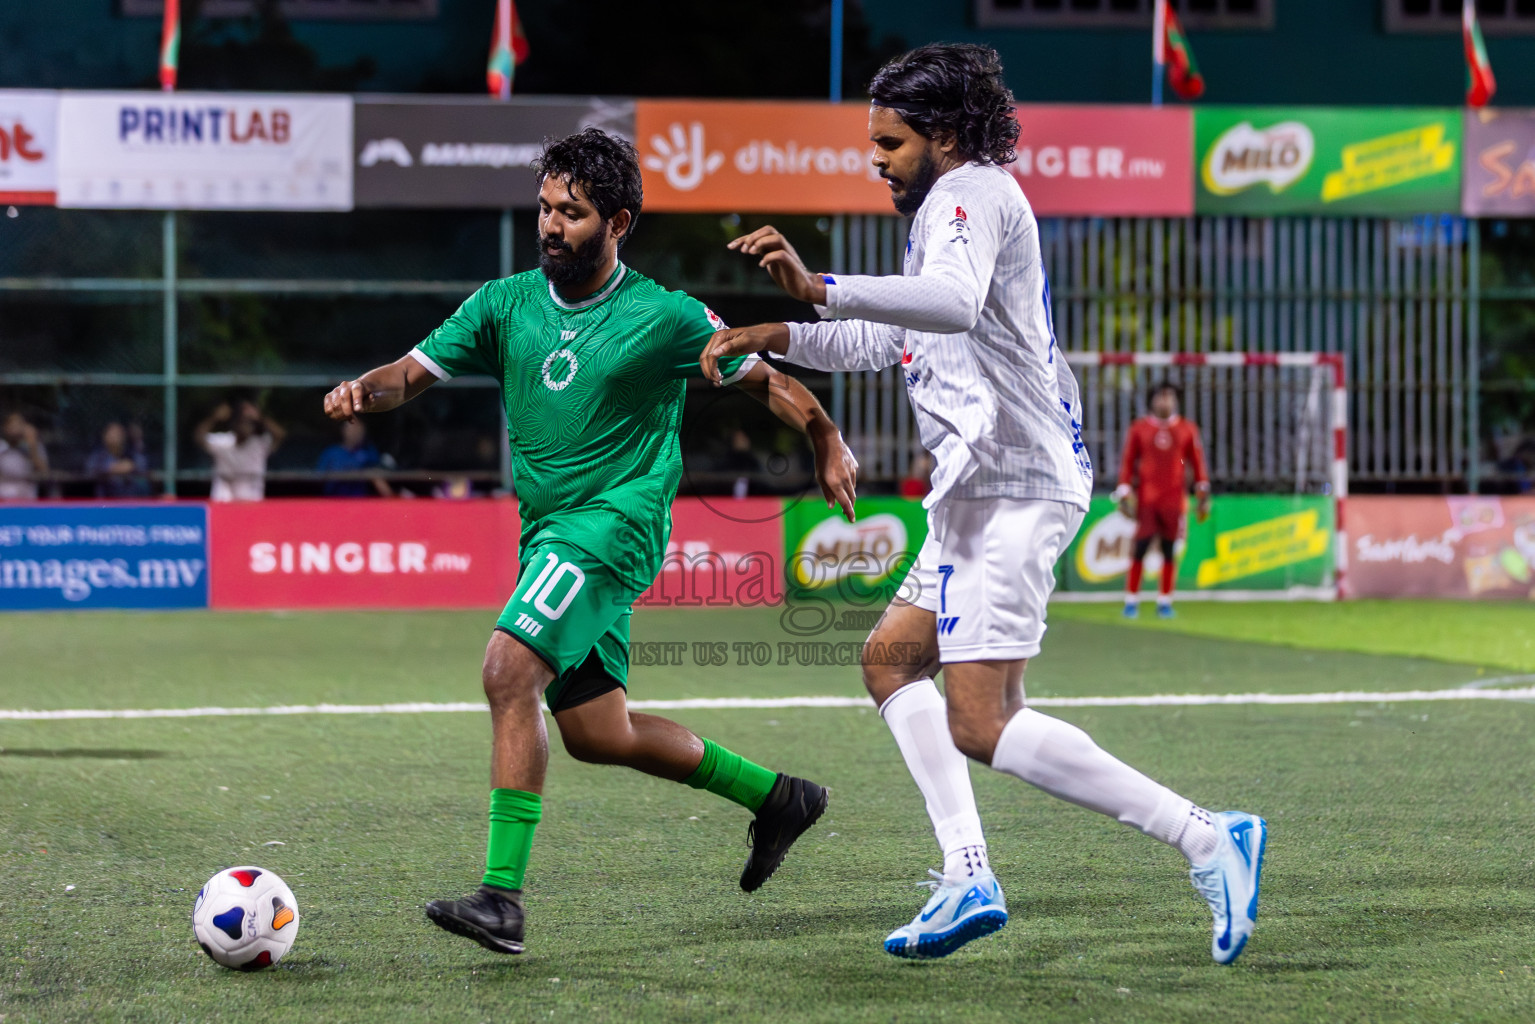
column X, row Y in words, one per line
column 256, row 54
column 680, row 48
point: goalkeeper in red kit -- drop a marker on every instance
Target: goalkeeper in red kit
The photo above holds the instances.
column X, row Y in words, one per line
column 1153, row 490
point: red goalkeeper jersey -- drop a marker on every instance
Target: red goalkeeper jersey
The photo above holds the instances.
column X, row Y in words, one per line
column 1157, row 454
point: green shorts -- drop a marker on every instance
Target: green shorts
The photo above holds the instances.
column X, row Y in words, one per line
column 573, row 612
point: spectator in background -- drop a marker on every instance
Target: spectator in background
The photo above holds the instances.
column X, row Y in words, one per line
column 118, row 463
column 354, row 454
column 239, row 449
column 741, row 459
column 919, row 476
column 23, row 460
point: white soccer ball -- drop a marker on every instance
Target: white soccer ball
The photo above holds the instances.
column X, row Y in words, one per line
column 245, row 918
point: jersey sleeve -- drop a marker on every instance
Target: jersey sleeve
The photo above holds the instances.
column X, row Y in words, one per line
column 845, row 345
column 1196, row 455
column 963, row 235
column 1132, row 455
column 466, row 342
column 692, row 326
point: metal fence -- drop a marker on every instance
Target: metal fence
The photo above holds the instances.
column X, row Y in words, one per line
column 1398, row 298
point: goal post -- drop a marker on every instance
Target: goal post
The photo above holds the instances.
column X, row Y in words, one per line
column 1272, row 422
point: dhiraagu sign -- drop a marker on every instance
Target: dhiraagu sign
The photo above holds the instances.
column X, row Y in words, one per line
column 1344, row 161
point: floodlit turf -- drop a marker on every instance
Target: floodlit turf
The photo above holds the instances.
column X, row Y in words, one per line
column 1400, row 884
column 1493, row 633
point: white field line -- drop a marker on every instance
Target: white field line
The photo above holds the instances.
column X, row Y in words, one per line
column 1472, row 691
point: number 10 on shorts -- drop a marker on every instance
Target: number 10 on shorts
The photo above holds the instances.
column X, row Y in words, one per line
column 542, row 589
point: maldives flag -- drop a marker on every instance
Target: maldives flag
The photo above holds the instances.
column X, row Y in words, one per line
column 1170, row 48
column 508, row 48
column 170, row 44
column 1480, row 85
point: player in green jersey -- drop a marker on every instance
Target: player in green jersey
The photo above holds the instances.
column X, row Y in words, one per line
column 593, row 360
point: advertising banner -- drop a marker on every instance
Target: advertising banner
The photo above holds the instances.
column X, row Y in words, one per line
column 1468, row 547
column 1106, row 161
column 314, row 553
column 827, row 556
column 29, row 147
column 705, row 156
column 1499, row 179
column 722, row 552
column 205, row 151
column 1250, row 542
column 1344, row 161
column 465, row 152
column 103, row 556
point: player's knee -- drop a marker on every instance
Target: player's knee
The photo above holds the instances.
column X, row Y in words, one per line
column 975, row 735
column 881, row 680
column 587, row 748
column 504, row 683
column 594, row 746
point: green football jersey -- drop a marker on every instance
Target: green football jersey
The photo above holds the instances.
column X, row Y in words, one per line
column 593, row 393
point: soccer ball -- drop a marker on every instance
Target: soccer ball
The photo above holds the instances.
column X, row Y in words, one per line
column 245, row 918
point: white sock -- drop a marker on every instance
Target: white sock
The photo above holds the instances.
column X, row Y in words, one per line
column 1064, row 761
column 919, row 720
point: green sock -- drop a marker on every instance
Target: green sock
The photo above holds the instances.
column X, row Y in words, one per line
column 732, row 776
column 513, row 816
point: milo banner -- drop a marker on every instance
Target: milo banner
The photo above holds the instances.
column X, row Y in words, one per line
column 1250, row 542
column 862, row 562
column 1466, row 547
column 1329, row 160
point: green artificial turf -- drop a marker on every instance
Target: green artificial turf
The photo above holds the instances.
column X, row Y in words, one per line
column 1497, row 634
column 1400, row 881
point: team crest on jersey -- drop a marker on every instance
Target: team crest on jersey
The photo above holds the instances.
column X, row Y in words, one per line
column 961, row 225
column 560, row 369
column 1163, row 439
column 714, row 319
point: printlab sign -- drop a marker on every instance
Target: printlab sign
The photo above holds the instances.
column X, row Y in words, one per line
column 117, row 556
column 205, row 151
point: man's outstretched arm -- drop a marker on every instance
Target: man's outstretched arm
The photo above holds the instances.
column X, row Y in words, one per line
column 945, row 298
column 836, row 470
column 828, row 345
column 379, row 390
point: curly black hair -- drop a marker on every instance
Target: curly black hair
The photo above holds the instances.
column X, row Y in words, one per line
column 953, row 89
column 606, row 167
column 1164, row 385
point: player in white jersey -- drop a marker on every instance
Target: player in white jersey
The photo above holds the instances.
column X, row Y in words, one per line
column 969, row 321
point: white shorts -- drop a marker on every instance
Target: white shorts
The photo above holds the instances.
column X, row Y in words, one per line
column 986, row 570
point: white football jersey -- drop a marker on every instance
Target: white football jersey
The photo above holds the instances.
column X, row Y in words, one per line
column 969, row 321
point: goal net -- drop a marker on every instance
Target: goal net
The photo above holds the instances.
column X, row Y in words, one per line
column 1275, row 436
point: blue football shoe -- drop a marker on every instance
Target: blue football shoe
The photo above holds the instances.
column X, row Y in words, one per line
column 959, row 912
column 1228, row 882
column 1165, row 610
column 1131, row 609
